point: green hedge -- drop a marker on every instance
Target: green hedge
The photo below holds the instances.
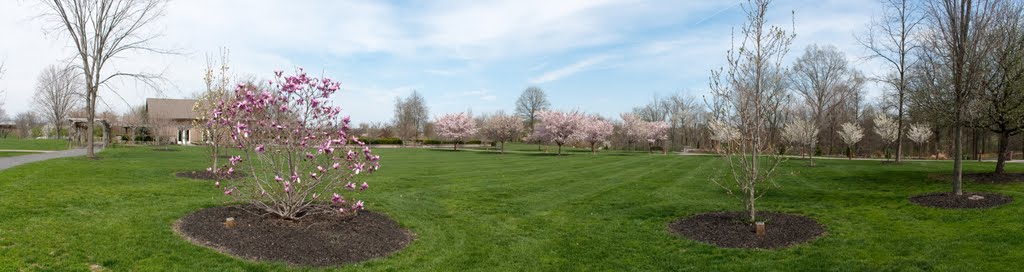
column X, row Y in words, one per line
column 442, row 142
column 384, row 141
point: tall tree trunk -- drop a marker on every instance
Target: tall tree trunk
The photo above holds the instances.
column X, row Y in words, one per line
column 958, row 159
column 1004, row 150
column 899, row 117
column 89, row 152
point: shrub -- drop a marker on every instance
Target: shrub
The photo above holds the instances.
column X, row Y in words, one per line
column 296, row 150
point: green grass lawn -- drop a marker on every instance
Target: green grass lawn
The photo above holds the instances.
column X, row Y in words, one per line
column 517, row 212
column 33, row 144
column 4, row 154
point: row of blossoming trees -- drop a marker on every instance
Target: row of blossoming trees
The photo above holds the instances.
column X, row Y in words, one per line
column 557, row 128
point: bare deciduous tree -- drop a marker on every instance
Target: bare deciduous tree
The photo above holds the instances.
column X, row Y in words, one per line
column 890, row 38
column 1001, row 102
column 823, row 79
column 58, row 92
column 24, row 123
column 102, row 30
column 743, row 94
column 957, row 43
column 411, row 116
column 532, row 101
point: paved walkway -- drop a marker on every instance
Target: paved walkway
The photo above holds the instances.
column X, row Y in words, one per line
column 23, row 159
column 24, row 150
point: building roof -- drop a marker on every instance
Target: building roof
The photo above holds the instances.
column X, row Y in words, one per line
column 173, row 109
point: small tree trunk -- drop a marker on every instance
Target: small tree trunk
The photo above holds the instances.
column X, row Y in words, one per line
column 503, row 147
column 1004, row 150
column 455, row 146
column 593, row 148
column 559, row 149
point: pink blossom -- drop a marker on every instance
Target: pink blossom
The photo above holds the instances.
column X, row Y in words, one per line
column 336, row 198
column 364, row 186
column 350, row 186
column 456, row 127
column 358, row 206
column 259, row 148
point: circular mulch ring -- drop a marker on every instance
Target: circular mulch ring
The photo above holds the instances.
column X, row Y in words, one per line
column 316, row 240
column 969, row 200
column 204, row 175
column 732, row 230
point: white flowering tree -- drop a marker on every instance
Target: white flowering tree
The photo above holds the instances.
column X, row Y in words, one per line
column 802, row 132
column 920, row 133
column 502, row 128
column 888, row 129
column 456, row 127
column 722, row 133
column 851, row 134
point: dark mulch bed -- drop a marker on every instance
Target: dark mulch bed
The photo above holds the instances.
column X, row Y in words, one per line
column 315, row 240
column 731, row 229
column 950, row 200
column 204, row 175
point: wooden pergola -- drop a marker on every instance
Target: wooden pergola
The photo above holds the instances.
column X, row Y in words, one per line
column 79, row 128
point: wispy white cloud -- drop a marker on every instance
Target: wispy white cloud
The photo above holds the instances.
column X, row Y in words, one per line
column 569, row 70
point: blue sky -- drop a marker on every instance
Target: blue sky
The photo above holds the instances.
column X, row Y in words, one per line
column 600, row 56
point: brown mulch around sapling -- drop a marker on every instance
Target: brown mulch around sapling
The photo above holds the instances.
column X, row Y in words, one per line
column 969, row 200
column 205, row 175
column 325, row 239
column 732, row 230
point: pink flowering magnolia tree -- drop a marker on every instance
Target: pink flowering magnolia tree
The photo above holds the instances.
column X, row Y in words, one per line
column 595, row 131
column 297, row 153
column 559, row 127
column 456, row 127
column 502, row 128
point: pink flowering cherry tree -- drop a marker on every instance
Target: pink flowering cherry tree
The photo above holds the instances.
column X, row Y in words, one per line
column 595, row 131
column 650, row 132
column 456, row 127
column 559, row 127
column 502, row 128
column 296, row 150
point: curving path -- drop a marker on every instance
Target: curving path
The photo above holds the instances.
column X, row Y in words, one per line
column 23, row 159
